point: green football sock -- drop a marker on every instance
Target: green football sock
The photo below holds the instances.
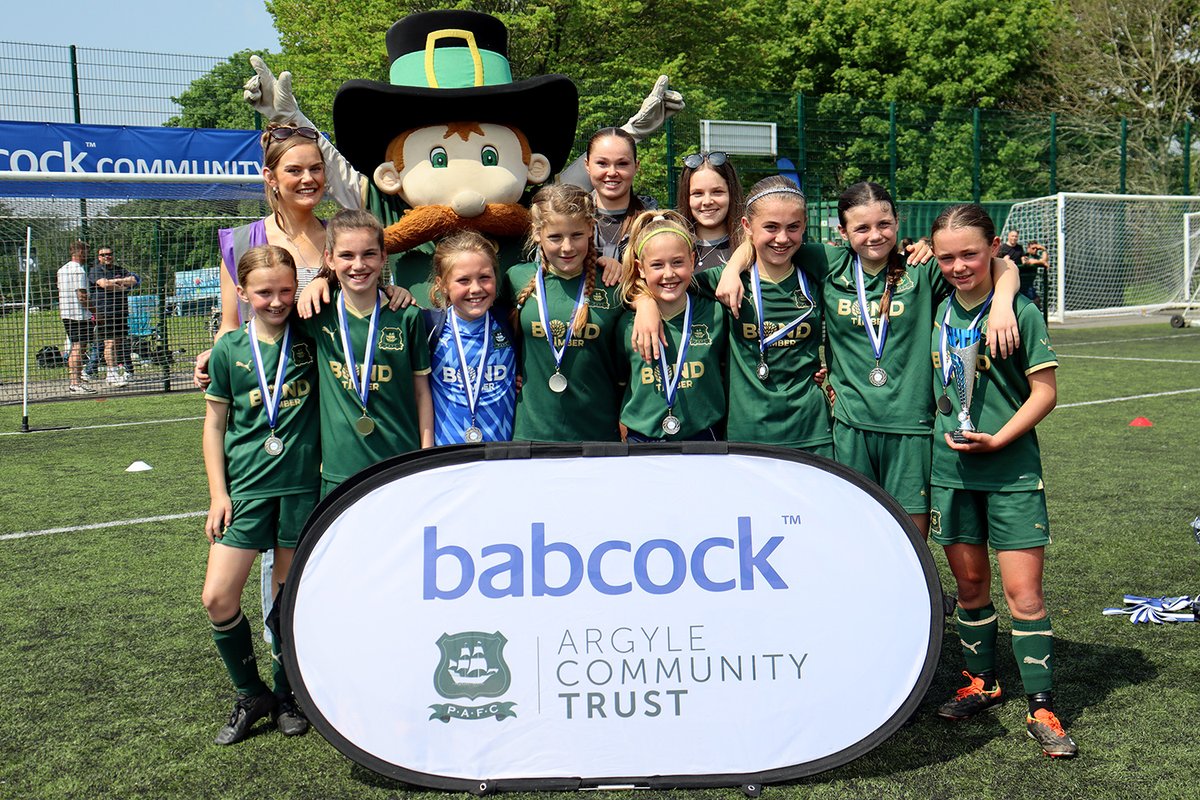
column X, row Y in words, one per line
column 236, row 646
column 977, row 635
column 1033, row 648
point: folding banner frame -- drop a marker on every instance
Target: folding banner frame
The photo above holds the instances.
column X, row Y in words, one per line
column 312, row 555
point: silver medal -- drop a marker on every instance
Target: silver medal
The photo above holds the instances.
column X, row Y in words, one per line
column 558, row 383
column 671, row 425
column 473, row 435
column 944, row 405
column 877, row 376
column 273, row 445
column 762, row 371
column 364, row 425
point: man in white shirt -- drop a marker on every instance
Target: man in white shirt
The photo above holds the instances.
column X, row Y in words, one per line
column 75, row 308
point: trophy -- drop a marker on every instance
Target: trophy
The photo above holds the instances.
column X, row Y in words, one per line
column 962, row 348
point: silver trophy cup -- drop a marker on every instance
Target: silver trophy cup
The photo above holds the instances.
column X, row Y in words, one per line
column 962, row 348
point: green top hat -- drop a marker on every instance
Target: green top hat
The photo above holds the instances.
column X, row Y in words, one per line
column 452, row 66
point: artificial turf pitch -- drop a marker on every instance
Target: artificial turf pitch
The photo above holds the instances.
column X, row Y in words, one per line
column 110, row 685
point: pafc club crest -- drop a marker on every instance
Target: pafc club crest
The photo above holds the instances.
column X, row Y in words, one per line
column 471, row 666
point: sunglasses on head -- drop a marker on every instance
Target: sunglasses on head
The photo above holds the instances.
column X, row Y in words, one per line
column 284, row 133
column 715, row 158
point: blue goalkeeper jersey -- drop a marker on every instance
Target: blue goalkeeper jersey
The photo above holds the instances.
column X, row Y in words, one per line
column 497, row 389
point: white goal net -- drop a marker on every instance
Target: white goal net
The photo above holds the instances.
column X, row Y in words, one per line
column 161, row 228
column 1110, row 254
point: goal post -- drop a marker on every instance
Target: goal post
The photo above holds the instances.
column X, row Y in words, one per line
column 1191, row 254
column 1110, row 254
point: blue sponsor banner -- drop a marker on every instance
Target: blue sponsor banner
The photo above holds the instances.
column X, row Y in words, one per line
column 37, row 147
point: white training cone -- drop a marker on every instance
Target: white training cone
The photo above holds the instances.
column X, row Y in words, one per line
column 139, row 466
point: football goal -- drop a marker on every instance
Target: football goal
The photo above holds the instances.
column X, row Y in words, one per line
column 1111, row 254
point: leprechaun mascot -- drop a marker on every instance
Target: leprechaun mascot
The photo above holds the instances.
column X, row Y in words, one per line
column 451, row 141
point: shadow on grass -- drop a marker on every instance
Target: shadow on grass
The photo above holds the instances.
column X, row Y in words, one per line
column 1087, row 674
column 360, row 774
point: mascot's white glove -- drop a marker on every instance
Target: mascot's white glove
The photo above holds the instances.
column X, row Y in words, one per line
column 660, row 104
column 272, row 97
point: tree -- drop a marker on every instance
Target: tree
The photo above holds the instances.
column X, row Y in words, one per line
column 1113, row 59
column 214, row 100
column 934, row 60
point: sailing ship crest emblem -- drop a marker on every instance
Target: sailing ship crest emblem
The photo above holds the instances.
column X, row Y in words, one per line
column 472, row 665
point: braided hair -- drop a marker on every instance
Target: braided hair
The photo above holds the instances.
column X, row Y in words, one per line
column 865, row 193
column 564, row 200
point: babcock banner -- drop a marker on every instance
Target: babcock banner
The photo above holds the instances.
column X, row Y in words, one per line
column 43, row 147
column 515, row 616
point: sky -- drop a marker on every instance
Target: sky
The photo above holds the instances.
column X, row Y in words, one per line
column 192, row 27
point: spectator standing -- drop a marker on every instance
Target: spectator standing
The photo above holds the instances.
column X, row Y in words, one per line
column 75, row 309
column 110, row 285
column 1030, row 268
column 1012, row 249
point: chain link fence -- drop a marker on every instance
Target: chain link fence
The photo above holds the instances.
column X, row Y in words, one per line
column 170, row 313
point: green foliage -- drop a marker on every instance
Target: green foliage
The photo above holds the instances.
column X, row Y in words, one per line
column 748, row 60
column 214, row 100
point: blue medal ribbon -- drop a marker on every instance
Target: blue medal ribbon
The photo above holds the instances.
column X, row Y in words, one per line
column 671, row 381
column 472, row 394
column 362, row 385
column 765, row 341
column 270, row 400
column 544, row 315
column 947, row 369
column 878, row 338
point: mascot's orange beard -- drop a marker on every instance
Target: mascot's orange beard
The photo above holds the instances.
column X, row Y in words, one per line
column 426, row 223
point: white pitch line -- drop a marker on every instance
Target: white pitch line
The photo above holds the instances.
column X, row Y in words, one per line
column 98, row 525
column 1123, row 341
column 1130, row 358
column 1122, row 399
column 97, row 427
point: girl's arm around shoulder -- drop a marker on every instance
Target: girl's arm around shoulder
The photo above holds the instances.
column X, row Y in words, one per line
column 1004, row 336
column 645, row 328
column 220, row 508
column 730, row 290
column 1043, row 396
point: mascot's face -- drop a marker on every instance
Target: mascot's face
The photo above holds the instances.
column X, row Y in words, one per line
column 465, row 166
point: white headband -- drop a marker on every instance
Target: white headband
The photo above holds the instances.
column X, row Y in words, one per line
column 754, row 198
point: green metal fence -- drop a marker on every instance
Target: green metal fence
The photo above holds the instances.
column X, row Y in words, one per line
column 920, row 152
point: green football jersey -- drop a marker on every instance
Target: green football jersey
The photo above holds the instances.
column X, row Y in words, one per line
column 700, row 395
column 587, row 410
column 788, row 408
column 250, row 472
column 1001, row 387
column 901, row 405
column 401, row 353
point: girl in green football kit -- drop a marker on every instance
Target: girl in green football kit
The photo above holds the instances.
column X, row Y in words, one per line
column 774, row 361
column 681, row 395
column 261, row 454
column 987, row 479
column 566, row 320
column 878, row 367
